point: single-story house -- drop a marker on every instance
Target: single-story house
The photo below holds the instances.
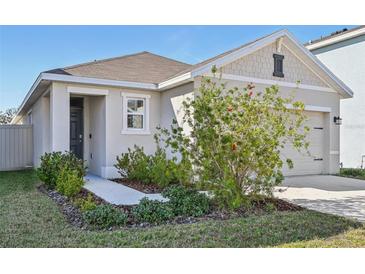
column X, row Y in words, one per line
column 343, row 52
column 100, row 109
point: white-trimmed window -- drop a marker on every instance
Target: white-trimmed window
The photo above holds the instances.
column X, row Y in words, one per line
column 135, row 113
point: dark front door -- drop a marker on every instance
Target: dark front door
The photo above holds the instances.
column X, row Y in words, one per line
column 76, row 132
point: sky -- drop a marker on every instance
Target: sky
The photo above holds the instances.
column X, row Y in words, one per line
column 26, row 51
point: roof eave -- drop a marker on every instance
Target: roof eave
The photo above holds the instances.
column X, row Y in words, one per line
column 336, row 39
column 97, row 81
column 178, row 80
column 26, row 98
column 78, row 80
column 343, row 88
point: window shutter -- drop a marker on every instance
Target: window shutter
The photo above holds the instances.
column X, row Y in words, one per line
column 278, row 65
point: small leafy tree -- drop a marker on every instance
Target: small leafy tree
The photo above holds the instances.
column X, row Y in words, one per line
column 7, row 115
column 236, row 137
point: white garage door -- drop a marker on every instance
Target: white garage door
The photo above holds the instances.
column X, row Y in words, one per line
column 305, row 164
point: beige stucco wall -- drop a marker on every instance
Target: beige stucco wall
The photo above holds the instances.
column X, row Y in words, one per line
column 116, row 142
column 95, row 145
column 172, row 108
column 103, row 117
column 41, row 127
column 171, row 104
column 346, row 59
column 59, row 117
column 260, row 64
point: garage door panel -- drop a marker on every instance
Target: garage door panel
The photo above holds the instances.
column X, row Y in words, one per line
column 305, row 164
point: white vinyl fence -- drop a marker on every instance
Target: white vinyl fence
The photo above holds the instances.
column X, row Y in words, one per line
column 16, row 147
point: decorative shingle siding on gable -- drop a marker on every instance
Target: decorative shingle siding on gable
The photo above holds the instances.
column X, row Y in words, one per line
column 260, row 64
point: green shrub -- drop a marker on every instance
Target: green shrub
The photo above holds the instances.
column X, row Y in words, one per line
column 156, row 168
column 105, row 216
column 152, row 211
column 53, row 163
column 49, row 168
column 134, row 165
column 353, row 172
column 68, row 182
column 162, row 170
column 86, row 204
column 183, row 172
column 187, row 202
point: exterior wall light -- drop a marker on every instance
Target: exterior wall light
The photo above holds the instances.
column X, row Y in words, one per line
column 337, row 120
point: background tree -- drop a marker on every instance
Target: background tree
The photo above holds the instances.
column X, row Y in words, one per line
column 7, row 115
column 236, row 138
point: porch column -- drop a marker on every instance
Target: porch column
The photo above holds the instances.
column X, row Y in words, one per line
column 59, row 118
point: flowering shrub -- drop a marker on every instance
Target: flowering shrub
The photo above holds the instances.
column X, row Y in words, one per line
column 235, row 140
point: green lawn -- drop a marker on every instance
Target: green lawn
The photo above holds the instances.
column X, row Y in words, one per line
column 351, row 238
column 30, row 219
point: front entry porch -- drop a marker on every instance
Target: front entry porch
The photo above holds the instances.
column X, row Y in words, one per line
column 78, row 123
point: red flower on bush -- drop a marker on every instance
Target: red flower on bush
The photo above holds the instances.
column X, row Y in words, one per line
column 250, row 86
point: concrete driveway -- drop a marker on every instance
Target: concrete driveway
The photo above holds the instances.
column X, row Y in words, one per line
column 328, row 194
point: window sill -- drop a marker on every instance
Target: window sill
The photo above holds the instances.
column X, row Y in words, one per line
column 136, row 132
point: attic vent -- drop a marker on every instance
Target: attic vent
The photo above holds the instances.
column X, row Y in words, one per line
column 278, row 65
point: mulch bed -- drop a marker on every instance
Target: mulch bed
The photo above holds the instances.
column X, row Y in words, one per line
column 145, row 188
column 72, row 213
column 74, row 216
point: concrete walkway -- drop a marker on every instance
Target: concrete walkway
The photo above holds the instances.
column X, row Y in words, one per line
column 328, row 194
column 115, row 193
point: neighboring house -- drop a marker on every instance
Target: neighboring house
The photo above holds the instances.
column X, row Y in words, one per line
column 101, row 108
column 344, row 54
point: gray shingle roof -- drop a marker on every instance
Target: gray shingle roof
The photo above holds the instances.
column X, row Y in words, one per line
column 144, row 67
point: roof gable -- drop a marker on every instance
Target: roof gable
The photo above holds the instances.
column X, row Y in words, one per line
column 291, row 42
column 260, row 64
